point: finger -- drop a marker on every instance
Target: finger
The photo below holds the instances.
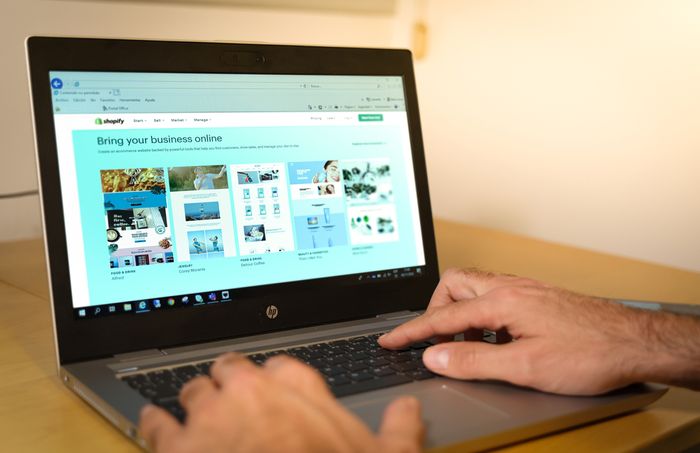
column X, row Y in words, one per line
column 454, row 285
column 402, row 426
column 230, row 366
column 474, row 360
column 308, row 389
column 298, row 376
column 451, row 319
column 462, row 284
column 195, row 391
column 465, row 284
column 158, row 428
column 451, row 288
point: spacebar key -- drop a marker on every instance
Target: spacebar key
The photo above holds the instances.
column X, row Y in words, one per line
column 366, row 386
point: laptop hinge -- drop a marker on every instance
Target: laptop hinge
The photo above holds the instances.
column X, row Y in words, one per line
column 145, row 354
column 398, row 315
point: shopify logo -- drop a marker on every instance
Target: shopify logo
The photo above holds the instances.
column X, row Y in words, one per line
column 101, row 121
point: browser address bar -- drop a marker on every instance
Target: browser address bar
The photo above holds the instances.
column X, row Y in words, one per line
column 178, row 84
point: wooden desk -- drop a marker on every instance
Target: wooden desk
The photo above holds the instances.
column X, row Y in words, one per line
column 38, row 414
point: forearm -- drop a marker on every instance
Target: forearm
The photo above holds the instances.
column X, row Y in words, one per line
column 669, row 349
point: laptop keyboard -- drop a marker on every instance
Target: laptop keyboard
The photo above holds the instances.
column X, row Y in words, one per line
column 349, row 366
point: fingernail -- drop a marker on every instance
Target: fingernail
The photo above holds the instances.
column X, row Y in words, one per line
column 436, row 360
column 410, row 402
column 276, row 360
column 381, row 337
column 146, row 410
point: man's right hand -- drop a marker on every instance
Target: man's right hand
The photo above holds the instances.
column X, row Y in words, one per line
column 563, row 342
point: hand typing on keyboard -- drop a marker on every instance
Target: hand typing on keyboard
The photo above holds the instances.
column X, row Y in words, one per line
column 281, row 406
column 565, row 342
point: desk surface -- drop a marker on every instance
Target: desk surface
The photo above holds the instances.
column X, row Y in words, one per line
column 38, row 414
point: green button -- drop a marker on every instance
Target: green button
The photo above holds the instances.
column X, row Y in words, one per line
column 371, row 117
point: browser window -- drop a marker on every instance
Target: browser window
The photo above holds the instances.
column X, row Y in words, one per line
column 206, row 183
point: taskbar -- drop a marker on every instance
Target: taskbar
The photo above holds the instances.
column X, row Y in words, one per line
column 203, row 298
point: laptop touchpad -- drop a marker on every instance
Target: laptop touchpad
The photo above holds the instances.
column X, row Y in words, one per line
column 449, row 413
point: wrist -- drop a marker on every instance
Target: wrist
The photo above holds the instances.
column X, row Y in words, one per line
column 667, row 349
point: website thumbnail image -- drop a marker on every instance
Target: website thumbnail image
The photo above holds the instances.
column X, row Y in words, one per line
column 224, row 210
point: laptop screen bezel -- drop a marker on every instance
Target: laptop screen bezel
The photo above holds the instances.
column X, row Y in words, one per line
column 298, row 302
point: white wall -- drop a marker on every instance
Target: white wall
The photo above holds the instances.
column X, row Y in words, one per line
column 20, row 218
column 568, row 120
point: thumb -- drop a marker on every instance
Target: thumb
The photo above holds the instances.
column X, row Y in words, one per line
column 473, row 360
column 402, row 428
column 158, row 428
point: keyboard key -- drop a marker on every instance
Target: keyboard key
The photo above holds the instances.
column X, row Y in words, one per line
column 333, row 370
column 136, row 381
column 257, row 358
column 365, row 386
column 383, row 371
column 419, row 375
column 360, row 376
column 186, row 373
column 405, row 366
column 205, row 368
column 336, row 381
column 355, row 366
column 337, row 360
column 398, row 357
column 377, row 362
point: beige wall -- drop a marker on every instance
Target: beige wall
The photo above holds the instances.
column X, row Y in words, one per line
column 576, row 121
column 569, row 120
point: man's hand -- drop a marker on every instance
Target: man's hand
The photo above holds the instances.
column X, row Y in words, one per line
column 563, row 342
column 283, row 406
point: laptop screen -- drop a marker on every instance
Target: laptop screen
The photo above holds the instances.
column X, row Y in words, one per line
column 180, row 189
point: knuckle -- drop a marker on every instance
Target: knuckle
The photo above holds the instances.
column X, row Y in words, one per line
column 453, row 272
column 247, row 379
column 305, row 372
column 507, row 293
column 192, row 384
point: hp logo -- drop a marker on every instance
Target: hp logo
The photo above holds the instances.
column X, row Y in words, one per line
column 271, row 311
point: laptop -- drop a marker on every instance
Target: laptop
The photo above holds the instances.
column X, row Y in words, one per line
column 200, row 198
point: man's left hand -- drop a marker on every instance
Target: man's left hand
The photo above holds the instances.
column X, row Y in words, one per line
column 281, row 406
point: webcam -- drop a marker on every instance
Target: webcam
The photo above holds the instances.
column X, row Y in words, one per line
column 242, row 58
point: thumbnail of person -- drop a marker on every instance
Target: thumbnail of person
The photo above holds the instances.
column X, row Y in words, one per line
column 198, row 246
column 205, row 181
column 214, row 243
column 209, row 177
column 326, row 189
column 330, row 173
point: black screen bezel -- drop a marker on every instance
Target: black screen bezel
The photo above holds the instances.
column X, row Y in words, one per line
column 299, row 303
